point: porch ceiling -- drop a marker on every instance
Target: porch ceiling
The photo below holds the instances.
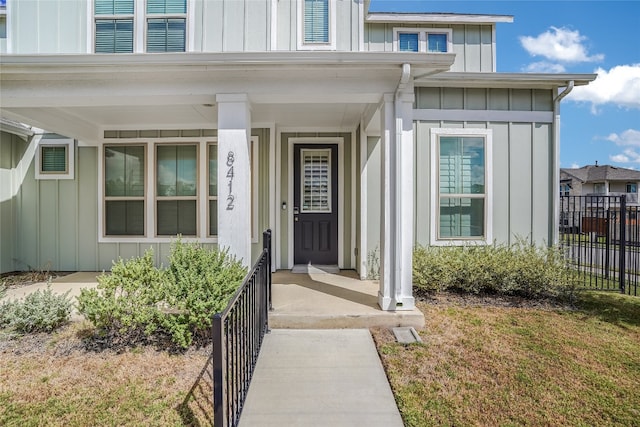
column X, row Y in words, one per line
column 80, row 96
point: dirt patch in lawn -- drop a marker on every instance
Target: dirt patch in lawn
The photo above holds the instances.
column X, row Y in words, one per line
column 20, row 279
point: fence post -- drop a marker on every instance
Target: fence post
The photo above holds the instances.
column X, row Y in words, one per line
column 623, row 242
column 219, row 401
column 266, row 244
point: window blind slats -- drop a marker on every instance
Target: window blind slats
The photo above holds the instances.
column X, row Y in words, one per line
column 166, row 6
column 409, row 42
column 54, row 159
column 436, row 42
column 114, row 35
column 316, row 21
column 114, row 7
column 166, row 35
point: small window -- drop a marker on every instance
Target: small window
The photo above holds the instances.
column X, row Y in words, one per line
column 55, row 159
column 436, row 42
column 461, row 204
column 599, row 188
column 316, row 26
column 632, row 188
column 427, row 40
column 409, row 42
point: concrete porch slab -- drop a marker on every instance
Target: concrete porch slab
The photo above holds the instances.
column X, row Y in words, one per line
column 332, row 301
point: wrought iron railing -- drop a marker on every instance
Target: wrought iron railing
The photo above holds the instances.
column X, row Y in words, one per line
column 238, row 333
column 600, row 236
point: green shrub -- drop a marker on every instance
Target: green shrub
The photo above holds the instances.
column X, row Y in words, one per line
column 40, row 311
column 520, row 269
column 138, row 300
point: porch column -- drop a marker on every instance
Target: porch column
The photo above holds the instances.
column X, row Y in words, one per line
column 404, row 193
column 234, row 175
column 386, row 294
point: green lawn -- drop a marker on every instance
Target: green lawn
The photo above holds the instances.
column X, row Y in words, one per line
column 500, row 366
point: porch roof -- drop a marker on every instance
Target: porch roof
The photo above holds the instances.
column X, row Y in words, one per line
column 82, row 95
column 503, row 80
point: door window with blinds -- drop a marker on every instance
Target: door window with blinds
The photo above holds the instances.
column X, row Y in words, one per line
column 316, row 180
column 461, row 195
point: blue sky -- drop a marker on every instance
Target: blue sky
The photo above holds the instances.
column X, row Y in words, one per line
column 600, row 122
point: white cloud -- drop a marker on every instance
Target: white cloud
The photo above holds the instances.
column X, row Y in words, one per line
column 620, row 158
column 561, row 45
column 544, row 67
column 620, row 86
column 628, row 137
column 574, row 165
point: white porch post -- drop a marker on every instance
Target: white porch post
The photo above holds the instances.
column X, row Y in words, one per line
column 234, row 175
column 404, row 185
column 386, row 295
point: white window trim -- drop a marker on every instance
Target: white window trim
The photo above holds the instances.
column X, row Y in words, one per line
column 150, row 145
column 140, row 26
column 332, row 29
column 488, row 206
column 422, row 37
column 70, row 146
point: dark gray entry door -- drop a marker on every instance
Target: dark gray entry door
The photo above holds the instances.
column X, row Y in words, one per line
column 315, row 204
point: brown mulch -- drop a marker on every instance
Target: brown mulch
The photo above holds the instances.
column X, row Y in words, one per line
column 486, row 300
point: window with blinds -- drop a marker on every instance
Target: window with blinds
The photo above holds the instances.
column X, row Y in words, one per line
column 316, row 21
column 114, row 29
column 316, row 180
column 166, row 25
column 176, row 190
column 408, row 42
column 53, row 159
column 461, row 187
column 124, row 190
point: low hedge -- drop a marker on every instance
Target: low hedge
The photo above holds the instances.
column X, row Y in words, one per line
column 520, row 269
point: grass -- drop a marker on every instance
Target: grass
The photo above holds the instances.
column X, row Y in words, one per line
column 483, row 365
column 52, row 380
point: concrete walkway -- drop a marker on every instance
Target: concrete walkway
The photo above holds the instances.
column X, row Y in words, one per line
column 312, row 378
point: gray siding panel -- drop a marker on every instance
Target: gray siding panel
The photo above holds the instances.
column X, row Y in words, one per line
column 233, row 26
column 87, row 191
column 542, row 184
column 501, row 186
column 520, row 177
column 67, row 225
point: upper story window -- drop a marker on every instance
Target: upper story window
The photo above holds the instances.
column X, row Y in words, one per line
column 632, row 187
column 114, row 26
column 461, row 186
column 3, row 19
column 166, row 25
column 316, row 26
column 117, row 29
column 429, row 40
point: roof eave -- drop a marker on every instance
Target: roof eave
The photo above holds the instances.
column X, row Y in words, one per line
column 423, row 18
column 244, row 60
column 504, row 80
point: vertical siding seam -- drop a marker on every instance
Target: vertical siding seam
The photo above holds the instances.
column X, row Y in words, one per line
column 532, row 136
column 509, row 142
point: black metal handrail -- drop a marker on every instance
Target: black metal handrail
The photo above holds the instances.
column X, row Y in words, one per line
column 238, row 332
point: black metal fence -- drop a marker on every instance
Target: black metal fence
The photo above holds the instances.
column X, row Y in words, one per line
column 237, row 336
column 600, row 236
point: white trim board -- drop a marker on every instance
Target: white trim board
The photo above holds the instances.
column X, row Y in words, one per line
column 316, row 140
column 483, row 115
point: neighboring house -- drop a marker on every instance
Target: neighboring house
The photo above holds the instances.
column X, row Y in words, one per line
column 592, row 180
column 352, row 135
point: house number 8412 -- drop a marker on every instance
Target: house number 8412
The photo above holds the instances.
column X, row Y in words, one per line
column 230, row 197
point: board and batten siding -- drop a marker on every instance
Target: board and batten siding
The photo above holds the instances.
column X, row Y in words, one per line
column 522, row 163
column 12, row 149
column 474, row 45
column 53, row 224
